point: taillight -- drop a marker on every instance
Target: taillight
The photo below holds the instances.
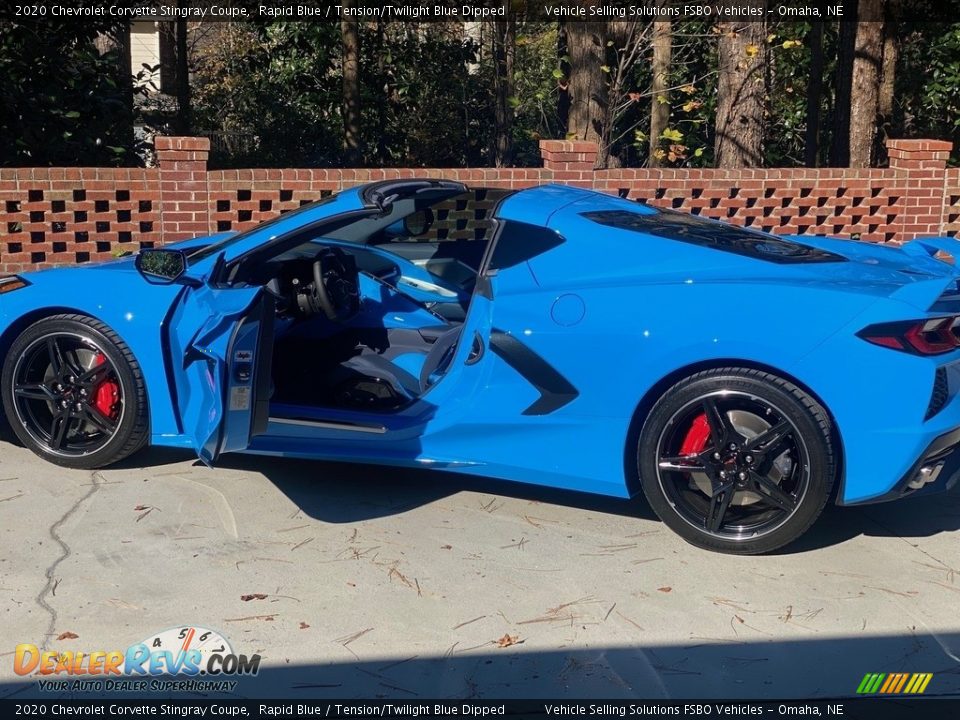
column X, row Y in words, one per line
column 921, row 337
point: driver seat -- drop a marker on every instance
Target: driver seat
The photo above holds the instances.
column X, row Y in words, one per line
column 376, row 381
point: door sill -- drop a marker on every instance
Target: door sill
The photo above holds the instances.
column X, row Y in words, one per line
column 330, row 425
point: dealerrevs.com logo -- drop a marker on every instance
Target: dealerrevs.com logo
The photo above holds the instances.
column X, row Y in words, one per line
column 187, row 658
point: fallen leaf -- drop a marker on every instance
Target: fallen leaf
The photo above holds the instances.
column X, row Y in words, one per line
column 67, row 636
column 253, row 596
column 303, row 626
column 140, row 508
column 507, row 640
column 352, row 584
column 446, row 547
column 665, row 589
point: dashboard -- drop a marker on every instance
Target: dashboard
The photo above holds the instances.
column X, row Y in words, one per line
column 289, row 277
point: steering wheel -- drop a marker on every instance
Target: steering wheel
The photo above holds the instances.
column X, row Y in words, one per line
column 336, row 284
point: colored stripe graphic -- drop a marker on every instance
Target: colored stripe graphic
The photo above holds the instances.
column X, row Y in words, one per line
column 870, row 683
column 894, row 683
column 890, row 682
column 903, row 681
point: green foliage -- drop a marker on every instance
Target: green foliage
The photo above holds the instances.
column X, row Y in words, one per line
column 928, row 86
column 426, row 102
column 269, row 91
column 61, row 102
column 535, row 90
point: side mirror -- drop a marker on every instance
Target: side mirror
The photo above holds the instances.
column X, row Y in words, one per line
column 161, row 266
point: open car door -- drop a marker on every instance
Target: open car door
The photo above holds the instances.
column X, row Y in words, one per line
column 220, row 342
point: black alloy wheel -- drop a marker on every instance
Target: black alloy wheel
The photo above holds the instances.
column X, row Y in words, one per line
column 73, row 393
column 737, row 460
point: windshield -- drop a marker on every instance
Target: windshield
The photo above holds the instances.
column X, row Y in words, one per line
column 441, row 240
column 206, row 251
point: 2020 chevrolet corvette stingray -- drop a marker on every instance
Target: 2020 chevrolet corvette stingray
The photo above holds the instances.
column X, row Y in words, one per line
column 550, row 335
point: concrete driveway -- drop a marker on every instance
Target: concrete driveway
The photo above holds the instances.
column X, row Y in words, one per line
column 380, row 582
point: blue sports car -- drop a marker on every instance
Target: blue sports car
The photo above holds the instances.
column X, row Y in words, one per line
column 550, row 335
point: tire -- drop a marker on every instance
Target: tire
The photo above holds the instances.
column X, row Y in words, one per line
column 736, row 460
column 73, row 393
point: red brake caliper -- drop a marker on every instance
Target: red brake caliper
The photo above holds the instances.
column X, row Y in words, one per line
column 106, row 394
column 697, row 436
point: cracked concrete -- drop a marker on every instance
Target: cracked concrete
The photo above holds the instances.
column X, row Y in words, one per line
column 413, row 584
column 52, row 580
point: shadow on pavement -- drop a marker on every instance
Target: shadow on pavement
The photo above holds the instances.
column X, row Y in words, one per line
column 700, row 668
column 345, row 493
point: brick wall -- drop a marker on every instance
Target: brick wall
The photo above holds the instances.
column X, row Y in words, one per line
column 55, row 216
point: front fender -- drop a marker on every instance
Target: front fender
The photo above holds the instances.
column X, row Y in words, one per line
column 120, row 298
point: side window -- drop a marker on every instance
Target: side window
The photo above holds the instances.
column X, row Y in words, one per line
column 449, row 238
column 458, row 228
column 518, row 242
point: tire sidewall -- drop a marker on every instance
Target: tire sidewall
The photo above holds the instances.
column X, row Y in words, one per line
column 787, row 398
column 125, row 374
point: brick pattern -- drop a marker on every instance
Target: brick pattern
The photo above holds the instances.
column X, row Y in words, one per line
column 951, row 201
column 869, row 205
column 57, row 216
column 184, row 190
column 60, row 216
column 467, row 217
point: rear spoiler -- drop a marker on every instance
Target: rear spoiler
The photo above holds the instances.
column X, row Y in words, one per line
column 937, row 294
column 931, row 246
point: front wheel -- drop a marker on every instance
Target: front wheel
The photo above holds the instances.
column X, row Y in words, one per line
column 73, row 392
column 737, row 460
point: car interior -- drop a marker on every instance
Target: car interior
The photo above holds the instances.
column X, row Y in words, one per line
column 369, row 315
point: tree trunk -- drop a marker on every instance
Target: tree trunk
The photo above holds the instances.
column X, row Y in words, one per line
column 865, row 84
column 811, row 144
column 840, row 142
column 384, row 94
column 118, row 41
column 741, row 94
column 351, row 90
column 659, row 101
column 183, row 119
column 586, row 46
column 504, row 49
column 563, row 83
column 888, row 77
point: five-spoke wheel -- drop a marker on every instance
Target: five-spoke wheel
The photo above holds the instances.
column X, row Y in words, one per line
column 73, row 393
column 737, row 460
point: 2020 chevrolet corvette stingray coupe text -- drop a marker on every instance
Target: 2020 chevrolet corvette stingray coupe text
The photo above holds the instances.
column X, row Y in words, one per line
column 550, row 335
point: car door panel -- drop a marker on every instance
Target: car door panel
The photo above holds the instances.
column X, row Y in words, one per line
column 220, row 341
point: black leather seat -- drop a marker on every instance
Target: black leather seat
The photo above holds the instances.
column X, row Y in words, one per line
column 379, row 365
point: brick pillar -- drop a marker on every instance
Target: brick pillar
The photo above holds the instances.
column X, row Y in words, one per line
column 924, row 163
column 184, row 200
column 570, row 161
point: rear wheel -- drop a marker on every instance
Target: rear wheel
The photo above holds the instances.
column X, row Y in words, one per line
column 737, row 460
column 73, row 392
